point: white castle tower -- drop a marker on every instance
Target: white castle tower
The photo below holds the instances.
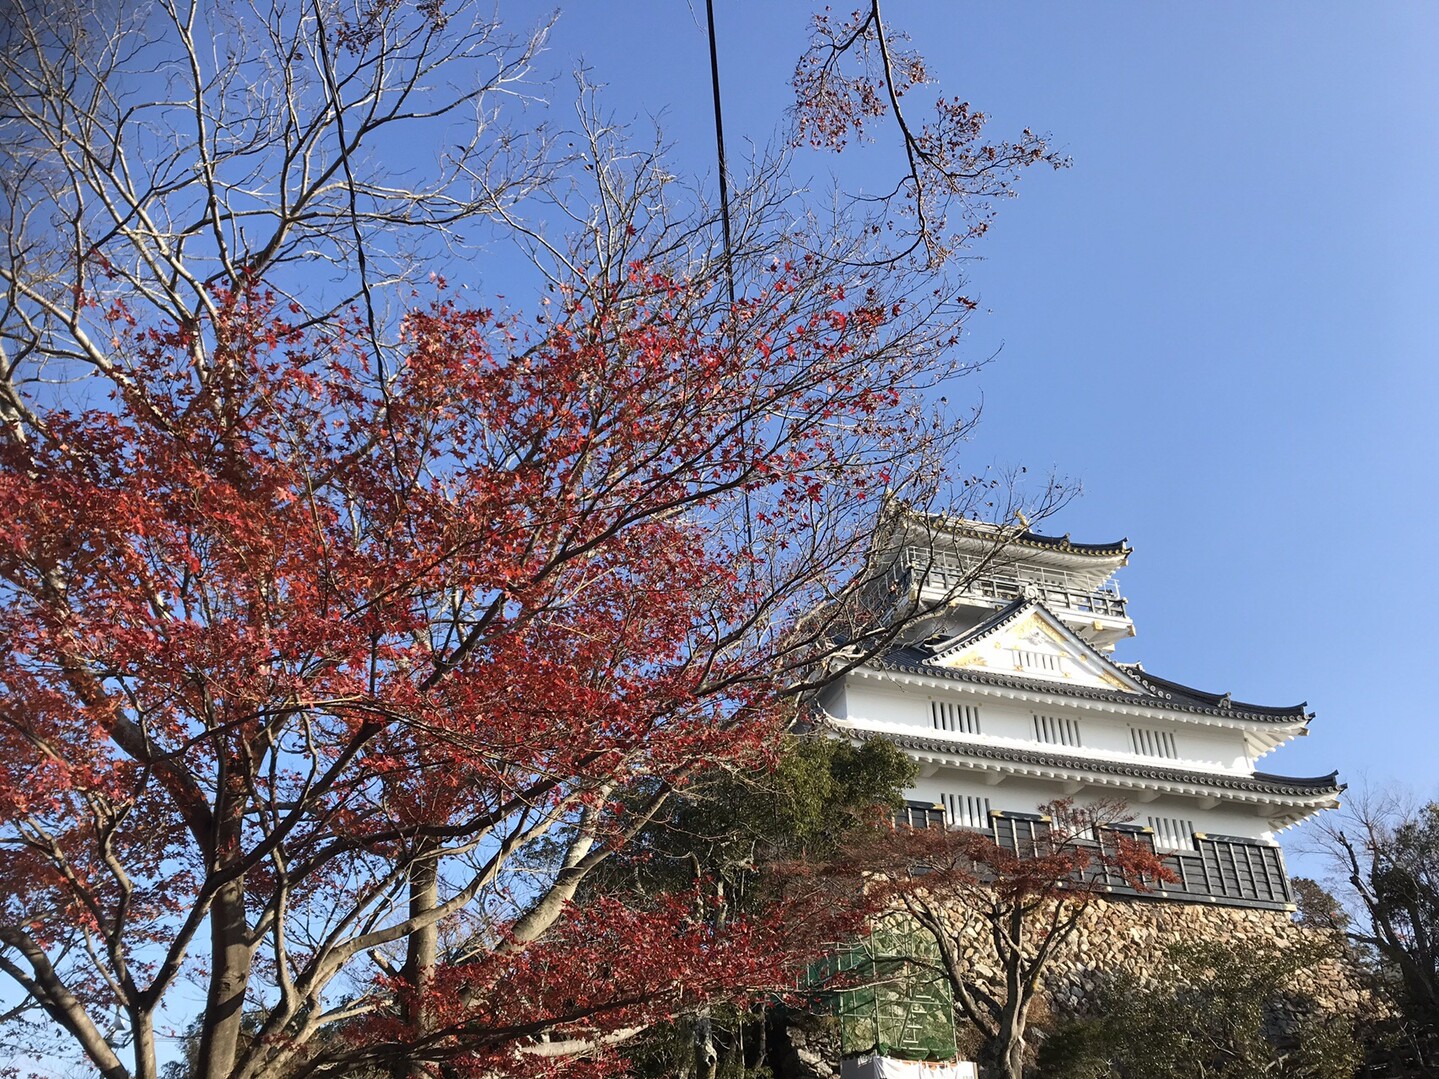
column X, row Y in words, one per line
column 1010, row 700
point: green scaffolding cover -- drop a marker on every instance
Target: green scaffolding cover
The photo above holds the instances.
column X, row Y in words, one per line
column 890, row 995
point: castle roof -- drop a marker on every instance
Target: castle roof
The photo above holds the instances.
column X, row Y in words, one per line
column 997, row 621
column 1148, row 690
column 964, row 526
column 1221, row 702
column 1256, row 783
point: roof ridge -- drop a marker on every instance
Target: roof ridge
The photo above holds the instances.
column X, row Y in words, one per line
column 978, row 632
column 1257, row 782
column 1260, row 714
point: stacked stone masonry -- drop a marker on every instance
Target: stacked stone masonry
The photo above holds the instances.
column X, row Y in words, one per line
column 1130, row 936
column 1123, row 936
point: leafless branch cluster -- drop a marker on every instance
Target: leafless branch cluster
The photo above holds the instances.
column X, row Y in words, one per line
column 170, row 153
column 858, row 70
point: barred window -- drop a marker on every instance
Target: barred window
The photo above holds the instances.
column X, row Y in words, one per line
column 955, row 718
column 1150, row 743
column 1037, row 661
column 966, row 812
column 1172, row 833
column 1057, row 730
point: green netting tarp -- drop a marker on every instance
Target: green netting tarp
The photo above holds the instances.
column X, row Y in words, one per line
column 889, row 994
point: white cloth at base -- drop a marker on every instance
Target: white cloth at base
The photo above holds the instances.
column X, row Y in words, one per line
column 877, row 1067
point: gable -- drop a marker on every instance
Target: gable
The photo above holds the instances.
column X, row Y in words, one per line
column 1035, row 644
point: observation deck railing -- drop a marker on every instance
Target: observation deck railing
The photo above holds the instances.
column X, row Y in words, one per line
column 940, row 573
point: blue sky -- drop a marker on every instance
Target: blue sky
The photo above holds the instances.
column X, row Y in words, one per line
column 1221, row 319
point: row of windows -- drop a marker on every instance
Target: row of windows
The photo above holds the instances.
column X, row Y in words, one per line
column 1038, row 661
column 1053, row 730
column 1172, row 833
column 1149, row 743
column 966, row 811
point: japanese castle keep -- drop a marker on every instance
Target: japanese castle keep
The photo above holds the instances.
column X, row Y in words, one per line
column 1011, row 700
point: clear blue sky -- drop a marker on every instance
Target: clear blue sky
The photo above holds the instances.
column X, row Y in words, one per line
column 1221, row 319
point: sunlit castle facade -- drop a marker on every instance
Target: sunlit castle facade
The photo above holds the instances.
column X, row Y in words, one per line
column 1009, row 699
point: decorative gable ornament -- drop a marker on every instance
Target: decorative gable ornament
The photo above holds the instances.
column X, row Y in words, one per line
column 1022, row 632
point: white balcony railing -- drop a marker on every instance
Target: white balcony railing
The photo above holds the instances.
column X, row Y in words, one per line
column 942, row 573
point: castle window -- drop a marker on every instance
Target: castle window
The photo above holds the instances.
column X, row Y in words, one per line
column 1172, row 833
column 1056, row 730
column 966, row 812
column 1148, row 743
column 1037, row 661
column 955, row 718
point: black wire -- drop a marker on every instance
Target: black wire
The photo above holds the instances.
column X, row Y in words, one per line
column 728, row 251
column 719, row 150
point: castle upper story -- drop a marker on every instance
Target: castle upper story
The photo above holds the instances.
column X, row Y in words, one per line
column 1007, row 696
column 977, row 568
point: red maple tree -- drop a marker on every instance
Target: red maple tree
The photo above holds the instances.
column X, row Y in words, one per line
column 314, row 669
column 341, row 645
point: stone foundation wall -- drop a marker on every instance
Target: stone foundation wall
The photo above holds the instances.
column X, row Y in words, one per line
column 1119, row 936
column 1130, row 936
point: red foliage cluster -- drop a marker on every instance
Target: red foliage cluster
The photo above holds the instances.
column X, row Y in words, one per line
column 286, row 637
column 834, row 102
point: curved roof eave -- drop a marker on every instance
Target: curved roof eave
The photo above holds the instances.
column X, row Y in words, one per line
column 1009, row 537
column 1221, row 701
column 1114, row 549
column 997, row 621
column 1176, row 699
column 1301, row 788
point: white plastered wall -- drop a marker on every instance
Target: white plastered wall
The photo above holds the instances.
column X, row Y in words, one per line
column 906, row 710
column 883, row 706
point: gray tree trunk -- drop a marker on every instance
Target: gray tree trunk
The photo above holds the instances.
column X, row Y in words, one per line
column 421, row 954
column 230, row 956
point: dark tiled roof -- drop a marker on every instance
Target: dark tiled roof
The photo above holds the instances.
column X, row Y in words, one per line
column 1255, row 783
column 997, row 620
column 1221, row 701
column 983, row 530
column 1168, row 695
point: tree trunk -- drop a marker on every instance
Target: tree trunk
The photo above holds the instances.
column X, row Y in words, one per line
column 422, row 951
column 143, row 1033
column 757, row 1057
column 1014, row 1058
column 1009, row 1044
column 229, row 978
column 706, row 1055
